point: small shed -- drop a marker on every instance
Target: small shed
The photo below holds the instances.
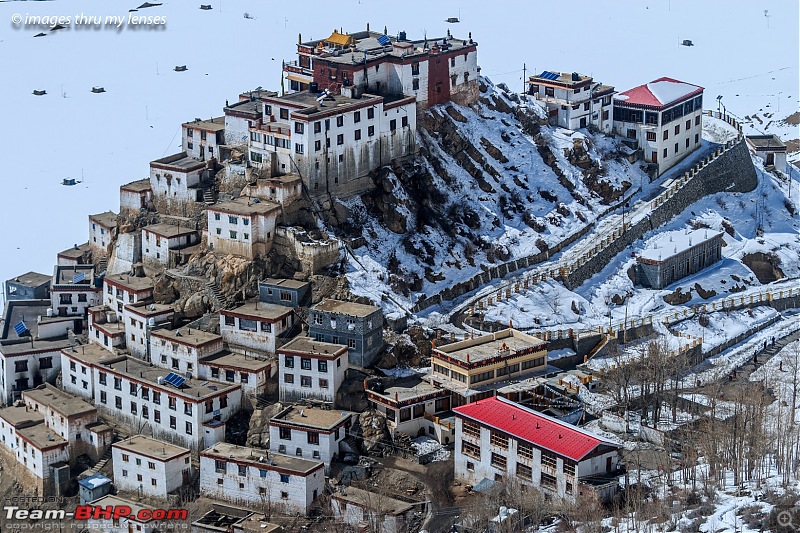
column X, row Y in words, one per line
column 94, row 487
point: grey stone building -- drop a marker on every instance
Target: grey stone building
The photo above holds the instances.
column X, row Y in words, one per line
column 286, row 292
column 358, row 326
column 676, row 254
column 30, row 286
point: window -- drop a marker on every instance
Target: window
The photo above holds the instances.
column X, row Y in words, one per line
column 230, row 376
column 220, row 467
column 548, row 481
column 415, row 84
column 151, row 465
column 499, row 461
column 173, row 423
column 677, row 129
column 665, row 153
column 524, row 471
column 317, row 127
column 223, row 402
column 470, row 466
column 323, row 383
column 187, row 408
column 317, row 146
column 298, row 148
column 631, row 133
column 233, row 234
column 299, row 127
column 687, row 142
column 483, row 376
column 284, row 479
column 666, row 134
column 145, row 412
column 404, row 121
column 499, row 440
column 245, row 377
column 156, row 397
column 173, row 403
column 288, row 361
column 126, row 458
column 45, row 362
column 157, row 416
column 288, row 378
column 305, row 381
column 322, row 366
column 696, row 138
column 313, row 437
column 357, row 117
column 21, row 366
column 351, row 343
column 230, row 321
column 284, row 113
column 357, row 135
column 103, row 397
column 393, row 124
column 305, row 363
column 371, row 113
column 651, row 136
column 233, row 220
column 569, row 469
column 688, row 124
column 340, row 139
column 134, row 409
column 549, row 461
column 471, row 450
column 285, row 433
column 118, row 402
column 415, row 68
column 676, row 148
column 466, row 77
column 340, row 121
column 124, row 473
column 697, row 120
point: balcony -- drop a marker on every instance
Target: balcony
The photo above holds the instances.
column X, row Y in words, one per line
column 295, row 67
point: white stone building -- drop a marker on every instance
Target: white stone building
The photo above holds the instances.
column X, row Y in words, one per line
column 310, row 433
column 573, row 100
column 662, row 118
column 255, row 327
column 138, row 395
column 30, row 358
column 106, row 328
column 162, row 242
column 279, row 189
column 252, row 373
column 120, row 290
column 135, row 196
column 73, row 290
column 311, row 369
column 499, row 440
column 42, row 454
column 72, row 418
column 335, row 143
column 382, row 513
column 78, row 254
column 249, row 476
column 77, row 368
column 243, row 227
column 201, row 139
column 149, row 466
column 141, row 319
column 179, row 183
column 770, row 149
column 415, row 407
column 180, row 350
column 102, row 228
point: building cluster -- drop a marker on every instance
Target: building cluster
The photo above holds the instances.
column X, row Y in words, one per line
column 172, row 387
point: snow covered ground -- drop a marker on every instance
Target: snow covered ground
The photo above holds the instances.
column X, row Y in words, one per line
column 425, row 445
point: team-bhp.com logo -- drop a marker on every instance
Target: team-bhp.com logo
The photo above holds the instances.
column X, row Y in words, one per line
column 95, row 512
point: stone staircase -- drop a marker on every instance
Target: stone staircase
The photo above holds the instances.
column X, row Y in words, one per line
column 220, row 301
column 102, row 266
column 208, row 197
column 100, row 464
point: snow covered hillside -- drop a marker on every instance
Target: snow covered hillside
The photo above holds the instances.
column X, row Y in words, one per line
column 490, row 186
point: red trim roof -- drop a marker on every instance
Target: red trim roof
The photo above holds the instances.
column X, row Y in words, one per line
column 543, row 431
column 643, row 95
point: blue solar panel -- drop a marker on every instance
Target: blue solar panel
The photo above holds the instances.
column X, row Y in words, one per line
column 384, row 40
column 20, row 328
column 548, row 75
column 80, row 276
column 174, row 379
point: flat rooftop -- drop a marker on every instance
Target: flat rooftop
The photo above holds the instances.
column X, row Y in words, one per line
column 168, row 230
column 259, row 310
column 409, row 388
column 62, row 402
column 91, row 354
column 64, row 275
column 31, row 279
column 565, row 78
column 285, row 283
column 309, row 106
column 670, row 243
column 107, row 219
column 130, row 283
column 137, row 186
column 76, row 251
column 501, row 344
column 21, row 415
column 180, row 161
column 147, row 309
column 213, row 124
column 248, row 107
column 312, row 417
column 345, row 308
column 186, row 336
column 228, row 359
column 368, row 41
column 362, row 498
column 116, row 501
column 27, row 311
column 311, row 346
column 151, row 447
column 41, row 436
column 195, row 388
column 245, row 206
column 766, row 142
column 224, row 451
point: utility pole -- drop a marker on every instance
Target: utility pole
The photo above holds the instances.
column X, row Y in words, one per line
column 524, row 78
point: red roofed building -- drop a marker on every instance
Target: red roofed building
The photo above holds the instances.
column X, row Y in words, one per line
column 499, row 440
column 662, row 118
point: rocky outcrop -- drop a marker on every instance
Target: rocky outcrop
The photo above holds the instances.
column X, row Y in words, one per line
column 258, row 433
column 371, row 432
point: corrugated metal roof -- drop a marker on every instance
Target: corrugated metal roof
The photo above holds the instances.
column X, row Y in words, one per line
column 659, row 93
column 341, row 39
column 543, row 431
